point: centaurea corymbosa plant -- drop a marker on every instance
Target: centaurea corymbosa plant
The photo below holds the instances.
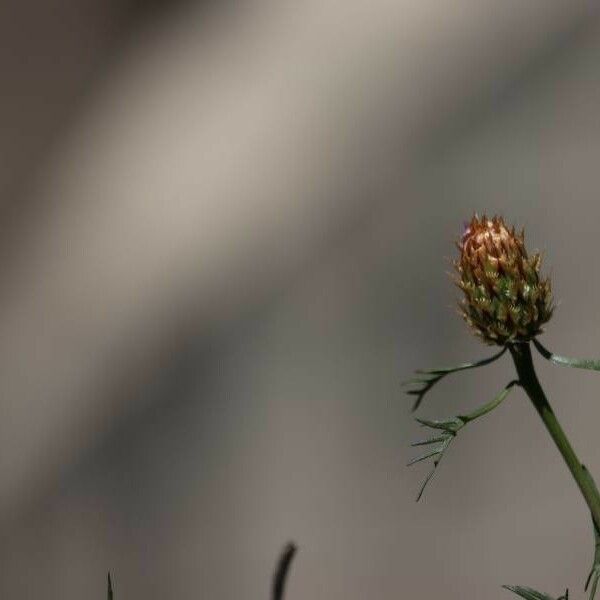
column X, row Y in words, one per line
column 506, row 302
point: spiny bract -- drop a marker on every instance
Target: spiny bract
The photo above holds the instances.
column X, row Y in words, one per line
column 505, row 298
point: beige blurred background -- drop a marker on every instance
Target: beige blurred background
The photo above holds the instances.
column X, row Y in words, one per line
column 225, row 232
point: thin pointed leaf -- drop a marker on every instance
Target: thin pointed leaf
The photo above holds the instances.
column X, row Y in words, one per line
column 427, row 480
column 110, row 589
column 420, row 392
column 593, row 579
column 414, row 392
column 425, row 456
column 490, row 406
column 527, row 593
column 447, row 440
column 565, row 361
column 442, row 370
column 449, row 425
column 432, row 376
column 463, row 366
column 433, row 440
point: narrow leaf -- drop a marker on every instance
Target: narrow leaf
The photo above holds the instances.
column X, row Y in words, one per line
column 427, row 480
column 527, row 593
column 425, row 456
column 439, row 455
column 489, row 407
column 593, row 579
column 463, row 366
column 450, row 425
column 432, row 376
column 578, row 363
column 433, row 440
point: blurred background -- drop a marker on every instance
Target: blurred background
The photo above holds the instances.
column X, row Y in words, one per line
column 226, row 228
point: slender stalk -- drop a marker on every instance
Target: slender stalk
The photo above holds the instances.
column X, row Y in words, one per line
column 521, row 354
column 281, row 572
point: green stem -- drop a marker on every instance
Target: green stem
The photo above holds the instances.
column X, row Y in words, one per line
column 521, row 354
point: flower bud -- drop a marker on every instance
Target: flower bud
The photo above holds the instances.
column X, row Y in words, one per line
column 505, row 298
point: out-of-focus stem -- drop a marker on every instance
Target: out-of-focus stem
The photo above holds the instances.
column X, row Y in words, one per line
column 281, row 572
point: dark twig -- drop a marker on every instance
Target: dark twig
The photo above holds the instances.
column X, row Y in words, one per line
column 110, row 590
column 283, row 566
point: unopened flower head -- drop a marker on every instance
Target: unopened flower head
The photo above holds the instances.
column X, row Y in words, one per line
column 505, row 297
